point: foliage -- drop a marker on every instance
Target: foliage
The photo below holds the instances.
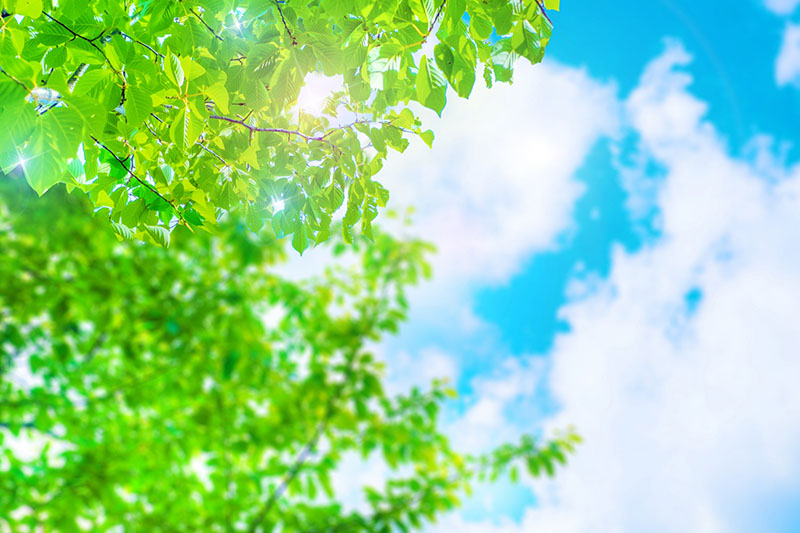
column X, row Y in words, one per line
column 170, row 112
column 194, row 389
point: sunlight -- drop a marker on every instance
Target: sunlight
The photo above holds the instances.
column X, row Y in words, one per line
column 316, row 90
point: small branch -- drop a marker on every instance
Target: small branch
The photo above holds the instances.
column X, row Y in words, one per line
column 254, row 129
column 203, row 22
column 280, row 11
column 299, row 461
column 92, row 43
column 15, row 80
column 544, row 11
column 210, row 151
column 306, row 451
column 436, row 17
column 430, row 27
column 140, row 180
column 140, row 43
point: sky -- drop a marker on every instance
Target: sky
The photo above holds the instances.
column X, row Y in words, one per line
column 617, row 239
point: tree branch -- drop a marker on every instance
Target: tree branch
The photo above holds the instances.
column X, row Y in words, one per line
column 92, row 43
column 203, row 22
column 15, row 80
column 254, row 129
column 126, row 36
column 280, row 11
column 307, row 450
column 544, row 11
column 140, row 180
column 210, row 151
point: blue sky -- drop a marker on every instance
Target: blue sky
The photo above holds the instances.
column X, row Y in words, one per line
column 616, row 238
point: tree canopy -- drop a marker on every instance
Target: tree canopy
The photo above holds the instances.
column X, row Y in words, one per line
column 171, row 112
column 193, row 389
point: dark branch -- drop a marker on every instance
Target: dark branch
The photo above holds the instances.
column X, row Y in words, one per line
column 280, row 11
column 15, row 80
column 436, row 17
column 92, row 43
column 140, row 43
column 308, row 449
column 32, row 426
column 203, row 22
column 544, row 11
column 210, row 151
column 140, row 180
column 254, row 129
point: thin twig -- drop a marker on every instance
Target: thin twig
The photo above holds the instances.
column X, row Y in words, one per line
column 15, row 80
column 140, row 180
column 203, row 22
column 280, row 11
column 126, row 36
column 210, row 151
column 436, row 17
column 307, row 450
column 544, row 11
column 92, row 43
column 254, row 129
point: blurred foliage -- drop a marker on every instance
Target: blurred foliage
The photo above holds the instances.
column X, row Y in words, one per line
column 172, row 112
column 194, row 389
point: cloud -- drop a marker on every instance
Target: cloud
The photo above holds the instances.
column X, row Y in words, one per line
column 787, row 65
column 498, row 184
column 688, row 404
column 781, row 7
column 406, row 371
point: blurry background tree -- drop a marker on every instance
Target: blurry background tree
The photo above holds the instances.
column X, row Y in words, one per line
column 171, row 112
column 192, row 389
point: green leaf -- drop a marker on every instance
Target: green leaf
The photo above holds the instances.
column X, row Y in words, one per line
column 159, row 234
column 427, row 136
column 552, row 4
column 526, row 42
column 431, row 86
column 42, row 166
column 138, row 105
column 27, row 8
column 300, row 239
column 56, row 57
column 480, row 27
column 174, row 70
column 122, row 230
column 219, row 95
column 146, row 81
column 191, row 69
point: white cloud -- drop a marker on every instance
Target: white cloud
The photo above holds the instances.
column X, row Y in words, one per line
column 406, row 371
column 686, row 414
column 487, row 420
column 787, row 65
column 782, row 7
column 498, row 184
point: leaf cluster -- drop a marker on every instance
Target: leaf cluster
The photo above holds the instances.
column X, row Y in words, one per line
column 173, row 112
column 194, row 389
